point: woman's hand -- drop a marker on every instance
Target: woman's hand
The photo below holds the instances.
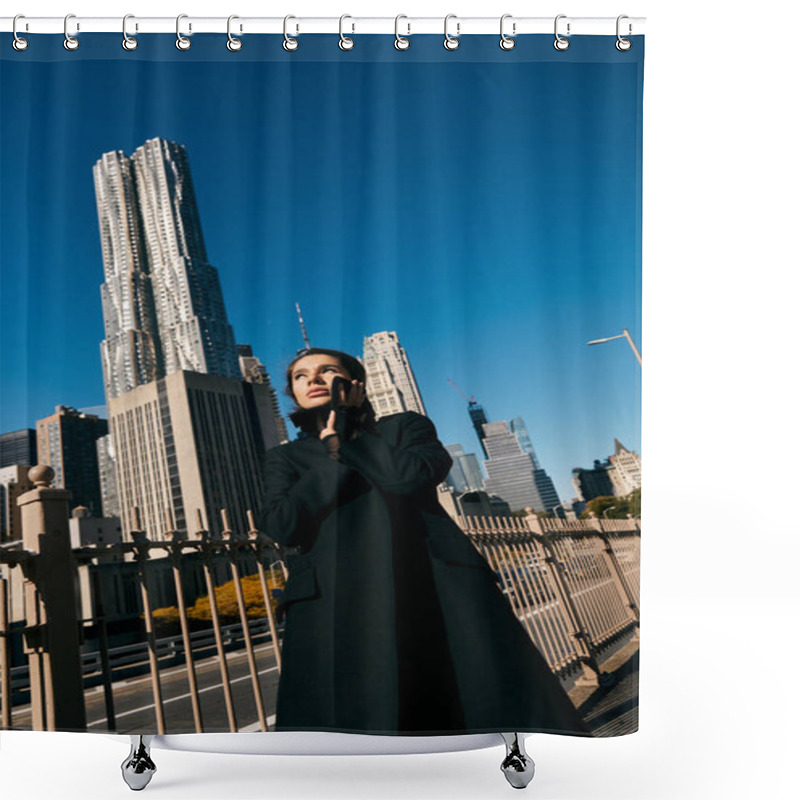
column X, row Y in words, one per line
column 353, row 397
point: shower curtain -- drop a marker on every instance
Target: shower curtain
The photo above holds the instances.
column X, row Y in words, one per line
column 320, row 385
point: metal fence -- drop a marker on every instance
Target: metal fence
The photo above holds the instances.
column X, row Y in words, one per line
column 572, row 584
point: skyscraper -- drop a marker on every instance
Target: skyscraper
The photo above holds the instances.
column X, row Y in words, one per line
column 14, row 482
column 67, row 441
column 253, row 371
column 520, row 429
column 190, row 420
column 544, row 484
column 478, row 416
column 162, row 301
column 465, row 474
column 595, row 482
column 513, row 475
column 391, row 385
column 617, row 476
column 626, row 469
column 18, row 447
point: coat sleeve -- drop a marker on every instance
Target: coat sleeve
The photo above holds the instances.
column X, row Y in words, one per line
column 295, row 504
column 418, row 459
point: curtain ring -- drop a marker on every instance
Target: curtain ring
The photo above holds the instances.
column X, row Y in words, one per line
column 128, row 42
column 623, row 44
column 345, row 42
column 181, row 42
column 401, row 42
column 19, row 43
column 289, row 43
column 233, row 44
column 507, row 42
column 561, row 43
column 70, row 42
column 451, row 42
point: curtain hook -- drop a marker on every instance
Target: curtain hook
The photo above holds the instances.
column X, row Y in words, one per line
column 451, row 42
column 128, row 42
column 70, row 42
column 19, row 43
column 561, row 43
column 289, row 43
column 345, row 42
column 623, row 44
column 233, row 44
column 507, row 42
column 401, row 42
column 181, row 42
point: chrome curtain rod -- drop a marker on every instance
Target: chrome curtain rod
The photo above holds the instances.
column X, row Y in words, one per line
column 513, row 26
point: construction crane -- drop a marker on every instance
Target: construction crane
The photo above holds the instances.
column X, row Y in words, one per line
column 470, row 400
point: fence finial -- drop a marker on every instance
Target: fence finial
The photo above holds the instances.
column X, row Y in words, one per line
column 41, row 475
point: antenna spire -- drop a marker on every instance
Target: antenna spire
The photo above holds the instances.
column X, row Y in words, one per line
column 302, row 328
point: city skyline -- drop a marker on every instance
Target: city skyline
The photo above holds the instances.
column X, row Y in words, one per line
column 499, row 293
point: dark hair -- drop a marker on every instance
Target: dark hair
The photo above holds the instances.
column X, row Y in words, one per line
column 304, row 418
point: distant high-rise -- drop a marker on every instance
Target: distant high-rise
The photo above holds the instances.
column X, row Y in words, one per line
column 626, row 469
column 478, row 416
column 617, row 476
column 254, row 371
column 106, row 463
column 162, row 301
column 513, row 474
column 13, row 483
column 595, row 482
column 67, row 441
column 518, row 427
column 465, row 474
column 391, row 385
column 18, row 447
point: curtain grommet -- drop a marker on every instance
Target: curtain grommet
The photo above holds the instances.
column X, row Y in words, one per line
column 233, row 44
column 451, row 42
column 507, row 42
column 401, row 42
column 70, row 42
column 561, row 44
column 128, row 42
column 622, row 44
column 181, row 42
column 345, row 42
column 19, row 43
column 289, row 44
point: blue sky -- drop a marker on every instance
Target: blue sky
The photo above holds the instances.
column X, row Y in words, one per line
column 485, row 205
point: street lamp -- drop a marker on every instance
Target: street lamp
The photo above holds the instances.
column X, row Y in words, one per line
column 624, row 335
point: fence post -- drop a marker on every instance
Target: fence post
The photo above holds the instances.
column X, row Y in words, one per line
column 618, row 576
column 589, row 665
column 52, row 637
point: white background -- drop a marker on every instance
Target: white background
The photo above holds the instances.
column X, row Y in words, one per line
column 719, row 708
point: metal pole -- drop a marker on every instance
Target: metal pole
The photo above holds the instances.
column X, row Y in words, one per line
column 633, row 346
column 141, row 542
column 233, row 551
column 208, row 554
column 176, row 555
column 102, row 643
column 5, row 660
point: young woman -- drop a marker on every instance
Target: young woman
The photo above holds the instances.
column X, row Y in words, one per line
column 394, row 621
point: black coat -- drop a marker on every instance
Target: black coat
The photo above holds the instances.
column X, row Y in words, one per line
column 395, row 623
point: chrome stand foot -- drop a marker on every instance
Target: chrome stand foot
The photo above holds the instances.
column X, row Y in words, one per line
column 138, row 768
column 517, row 766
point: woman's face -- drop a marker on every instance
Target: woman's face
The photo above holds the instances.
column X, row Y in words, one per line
column 312, row 377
